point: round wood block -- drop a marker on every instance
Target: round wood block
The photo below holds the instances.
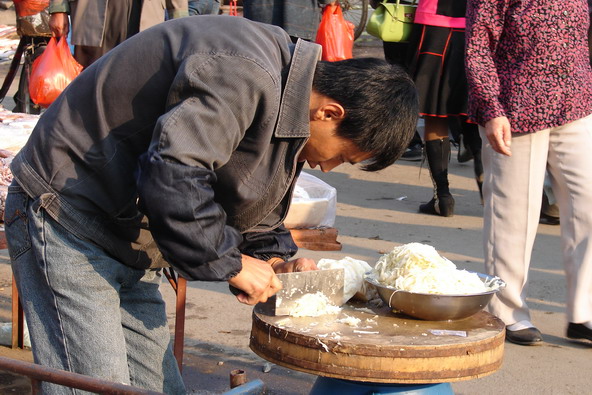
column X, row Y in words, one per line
column 371, row 344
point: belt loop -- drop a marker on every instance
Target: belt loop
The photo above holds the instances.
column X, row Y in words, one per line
column 45, row 200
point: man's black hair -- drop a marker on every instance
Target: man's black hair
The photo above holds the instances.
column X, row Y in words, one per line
column 380, row 102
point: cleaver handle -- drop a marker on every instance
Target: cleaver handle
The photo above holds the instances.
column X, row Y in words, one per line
column 235, row 291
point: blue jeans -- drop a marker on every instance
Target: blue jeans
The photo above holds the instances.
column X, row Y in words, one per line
column 204, row 7
column 87, row 313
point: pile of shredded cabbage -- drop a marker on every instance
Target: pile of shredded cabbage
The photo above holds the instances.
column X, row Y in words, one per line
column 418, row 268
column 313, row 305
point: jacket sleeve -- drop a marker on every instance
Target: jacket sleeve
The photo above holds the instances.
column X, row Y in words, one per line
column 485, row 24
column 266, row 245
column 205, row 123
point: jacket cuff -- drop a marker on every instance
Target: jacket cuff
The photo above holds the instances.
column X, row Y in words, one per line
column 490, row 114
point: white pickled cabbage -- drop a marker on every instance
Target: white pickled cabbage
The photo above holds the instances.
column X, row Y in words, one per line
column 313, row 305
column 418, row 268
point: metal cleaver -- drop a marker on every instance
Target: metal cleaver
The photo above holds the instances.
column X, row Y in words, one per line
column 297, row 284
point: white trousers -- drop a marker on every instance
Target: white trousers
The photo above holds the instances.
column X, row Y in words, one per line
column 512, row 193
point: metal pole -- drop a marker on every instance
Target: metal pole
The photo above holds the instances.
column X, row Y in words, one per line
column 180, row 321
column 18, row 321
column 69, row 379
column 254, row 387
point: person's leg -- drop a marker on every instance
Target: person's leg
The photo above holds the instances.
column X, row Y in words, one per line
column 122, row 21
column 454, row 130
column 550, row 208
column 396, row 53
column 472, row 140
column 22, row 98
column 414, row 151
column 204, row 7
column 151, row 361
column 512, row 189
column 437, row 149
column 72, row 293
column 569, row 168
column 72, row 313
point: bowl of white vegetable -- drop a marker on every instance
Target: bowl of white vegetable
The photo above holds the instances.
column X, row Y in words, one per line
column 415, row 280
column 437, row 307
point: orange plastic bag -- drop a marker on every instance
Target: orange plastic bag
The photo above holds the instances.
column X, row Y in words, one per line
column 52, row 72
column 30, row 7
column 335, row 34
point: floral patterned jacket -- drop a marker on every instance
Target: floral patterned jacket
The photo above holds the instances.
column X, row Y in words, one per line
column 528, row 60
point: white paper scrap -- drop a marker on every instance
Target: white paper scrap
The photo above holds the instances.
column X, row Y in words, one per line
column 445, row 332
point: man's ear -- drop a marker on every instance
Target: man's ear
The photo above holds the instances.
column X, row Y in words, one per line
column 331, row 111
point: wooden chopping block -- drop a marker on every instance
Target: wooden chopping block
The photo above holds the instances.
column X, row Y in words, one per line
column 382, row 347
column 321, row 239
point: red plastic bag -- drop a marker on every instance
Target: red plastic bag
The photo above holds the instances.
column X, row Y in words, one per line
column 30, row 7
column 52, row 72
column 335, row 34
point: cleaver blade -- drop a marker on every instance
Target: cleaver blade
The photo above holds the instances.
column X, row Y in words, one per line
column 329, row 282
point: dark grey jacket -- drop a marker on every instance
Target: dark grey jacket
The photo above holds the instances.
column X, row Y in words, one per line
column 196, row 123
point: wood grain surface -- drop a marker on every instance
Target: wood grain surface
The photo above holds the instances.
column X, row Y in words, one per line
column 383, row 347
column 322, row 239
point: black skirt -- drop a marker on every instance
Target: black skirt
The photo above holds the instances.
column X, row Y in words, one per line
column 436, row 63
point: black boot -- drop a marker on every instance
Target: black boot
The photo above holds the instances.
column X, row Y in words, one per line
column 438, row 154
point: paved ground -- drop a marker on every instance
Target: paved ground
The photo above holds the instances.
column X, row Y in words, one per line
column 375, row 212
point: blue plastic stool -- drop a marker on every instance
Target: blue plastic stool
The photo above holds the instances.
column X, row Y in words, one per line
column 328, row 386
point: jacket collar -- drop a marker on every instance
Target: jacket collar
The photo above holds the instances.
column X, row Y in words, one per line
column 293, row 119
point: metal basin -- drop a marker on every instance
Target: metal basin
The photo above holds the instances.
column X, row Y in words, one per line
column 437, row 307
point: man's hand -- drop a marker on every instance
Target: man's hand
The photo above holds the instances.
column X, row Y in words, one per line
column 256, row 280
column 59, row 24
column 499, row 134
column 296, row 265
column 5, row 153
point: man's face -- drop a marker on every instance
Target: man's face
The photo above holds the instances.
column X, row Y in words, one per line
column 324, row 147
column 327, row 150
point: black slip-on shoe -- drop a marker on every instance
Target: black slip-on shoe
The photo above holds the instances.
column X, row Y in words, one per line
column 579, row 331
column 524, row 337
column 547, row 219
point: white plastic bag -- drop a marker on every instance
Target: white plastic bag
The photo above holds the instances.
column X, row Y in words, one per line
column 313, row 204
column 6, row 334
column 354, row 270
